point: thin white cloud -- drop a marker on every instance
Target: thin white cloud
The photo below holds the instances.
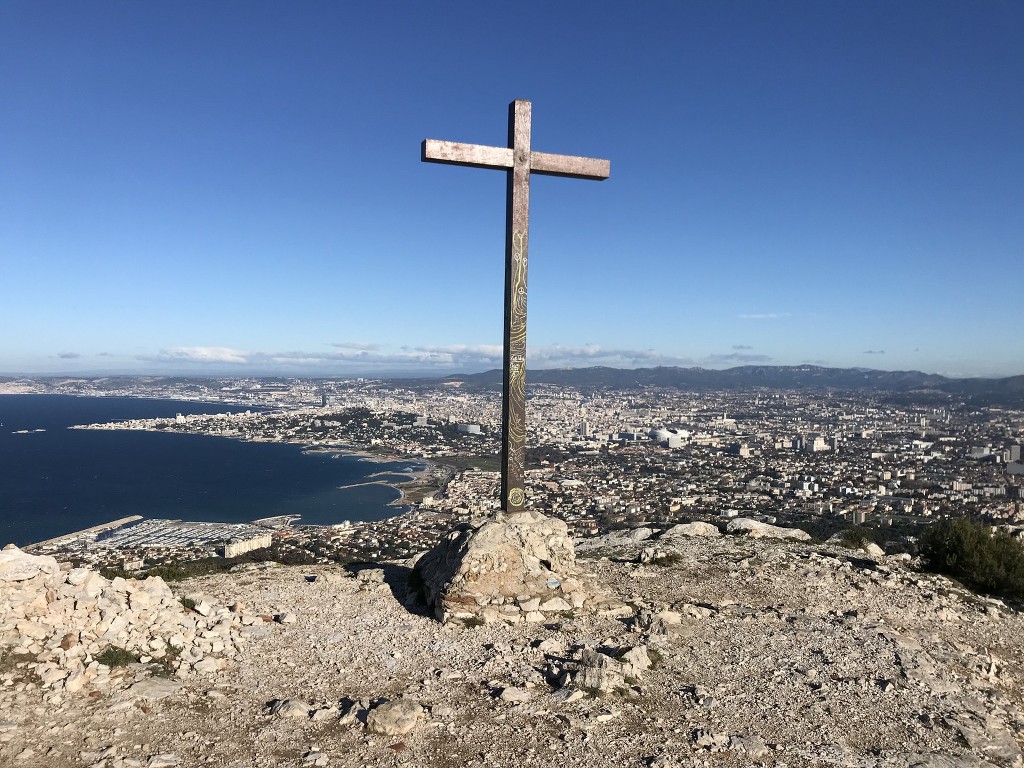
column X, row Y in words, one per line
column 356, row 345
column 425, row 359
column 593, row 354
column 741, row 347
column 737, row 357
column 764, row 316
column 201, row 355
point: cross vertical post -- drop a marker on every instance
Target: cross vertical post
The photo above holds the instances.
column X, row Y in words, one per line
column 519, row 161
column 517, row 231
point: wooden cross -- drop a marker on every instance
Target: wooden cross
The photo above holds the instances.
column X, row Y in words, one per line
column 519, row 161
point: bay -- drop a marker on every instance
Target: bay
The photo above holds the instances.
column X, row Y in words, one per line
column 59, row 480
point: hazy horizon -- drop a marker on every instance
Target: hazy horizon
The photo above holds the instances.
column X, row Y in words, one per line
column 440, row 374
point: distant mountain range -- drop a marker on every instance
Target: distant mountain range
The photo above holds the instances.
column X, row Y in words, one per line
column 1005, row 392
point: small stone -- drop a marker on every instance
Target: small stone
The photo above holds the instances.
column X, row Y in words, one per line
column 371, row 575
column 555, row 604
column 289, row 708
column 515, row 695
column 206, row 666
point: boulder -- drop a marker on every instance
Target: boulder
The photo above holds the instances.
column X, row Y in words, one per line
column 292, row 708
column 873, row 549
column 16, row 565
column 512, row 559
column 597, row 672
column 394, row 718
column 691, row 529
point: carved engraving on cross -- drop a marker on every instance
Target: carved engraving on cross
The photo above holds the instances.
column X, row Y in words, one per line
column 519, row 161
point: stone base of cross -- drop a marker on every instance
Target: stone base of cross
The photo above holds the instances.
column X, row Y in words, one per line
column 519, row 161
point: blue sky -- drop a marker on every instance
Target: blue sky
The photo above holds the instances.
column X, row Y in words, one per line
column 221, row 187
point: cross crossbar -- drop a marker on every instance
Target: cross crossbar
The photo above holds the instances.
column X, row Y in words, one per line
column 500, row 158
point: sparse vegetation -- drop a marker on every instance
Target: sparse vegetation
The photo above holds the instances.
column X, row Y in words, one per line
column 857, row 536
column 164, row 666
column 188, row 602
column 9, row 664
column 113, row 656
column 113, row 573
column 970, row 552
column 212, row 565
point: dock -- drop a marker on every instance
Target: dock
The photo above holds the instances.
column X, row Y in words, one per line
column 93, row 531
column 280, row 521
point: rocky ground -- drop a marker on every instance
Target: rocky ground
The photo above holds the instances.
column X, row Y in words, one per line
column 760, row 650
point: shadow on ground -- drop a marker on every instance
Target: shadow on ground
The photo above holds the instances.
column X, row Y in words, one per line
column 404, row 583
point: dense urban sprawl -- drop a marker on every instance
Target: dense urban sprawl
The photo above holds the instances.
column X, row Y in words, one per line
column 600, row 460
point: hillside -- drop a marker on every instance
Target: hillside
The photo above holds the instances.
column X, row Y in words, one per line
column 1007, row 392
column 765, row 652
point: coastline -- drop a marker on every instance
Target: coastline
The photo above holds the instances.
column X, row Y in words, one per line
column 418, row 479
column 409, row 485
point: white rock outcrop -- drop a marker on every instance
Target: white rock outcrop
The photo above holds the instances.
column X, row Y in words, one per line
column 756, row 529
column 57, row 622
column 515, row 567
column 691, row 529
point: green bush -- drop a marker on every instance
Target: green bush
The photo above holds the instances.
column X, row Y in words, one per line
column 857, row 536
column 971, row 553
column 113, row 656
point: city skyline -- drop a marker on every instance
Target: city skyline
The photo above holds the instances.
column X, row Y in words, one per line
column 237, row 189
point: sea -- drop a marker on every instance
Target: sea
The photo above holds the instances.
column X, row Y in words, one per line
column 55, row 480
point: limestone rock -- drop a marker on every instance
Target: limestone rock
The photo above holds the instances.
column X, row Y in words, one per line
column 515, row 558
column 16, row 565
column 394, row 718
column 873, row 549
column 288, row 708
column 692, row 529
column 65, row 621
column 555, row 604
column 598, row 672
column 756, row 529
column 515, row 695
column 154, row 688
